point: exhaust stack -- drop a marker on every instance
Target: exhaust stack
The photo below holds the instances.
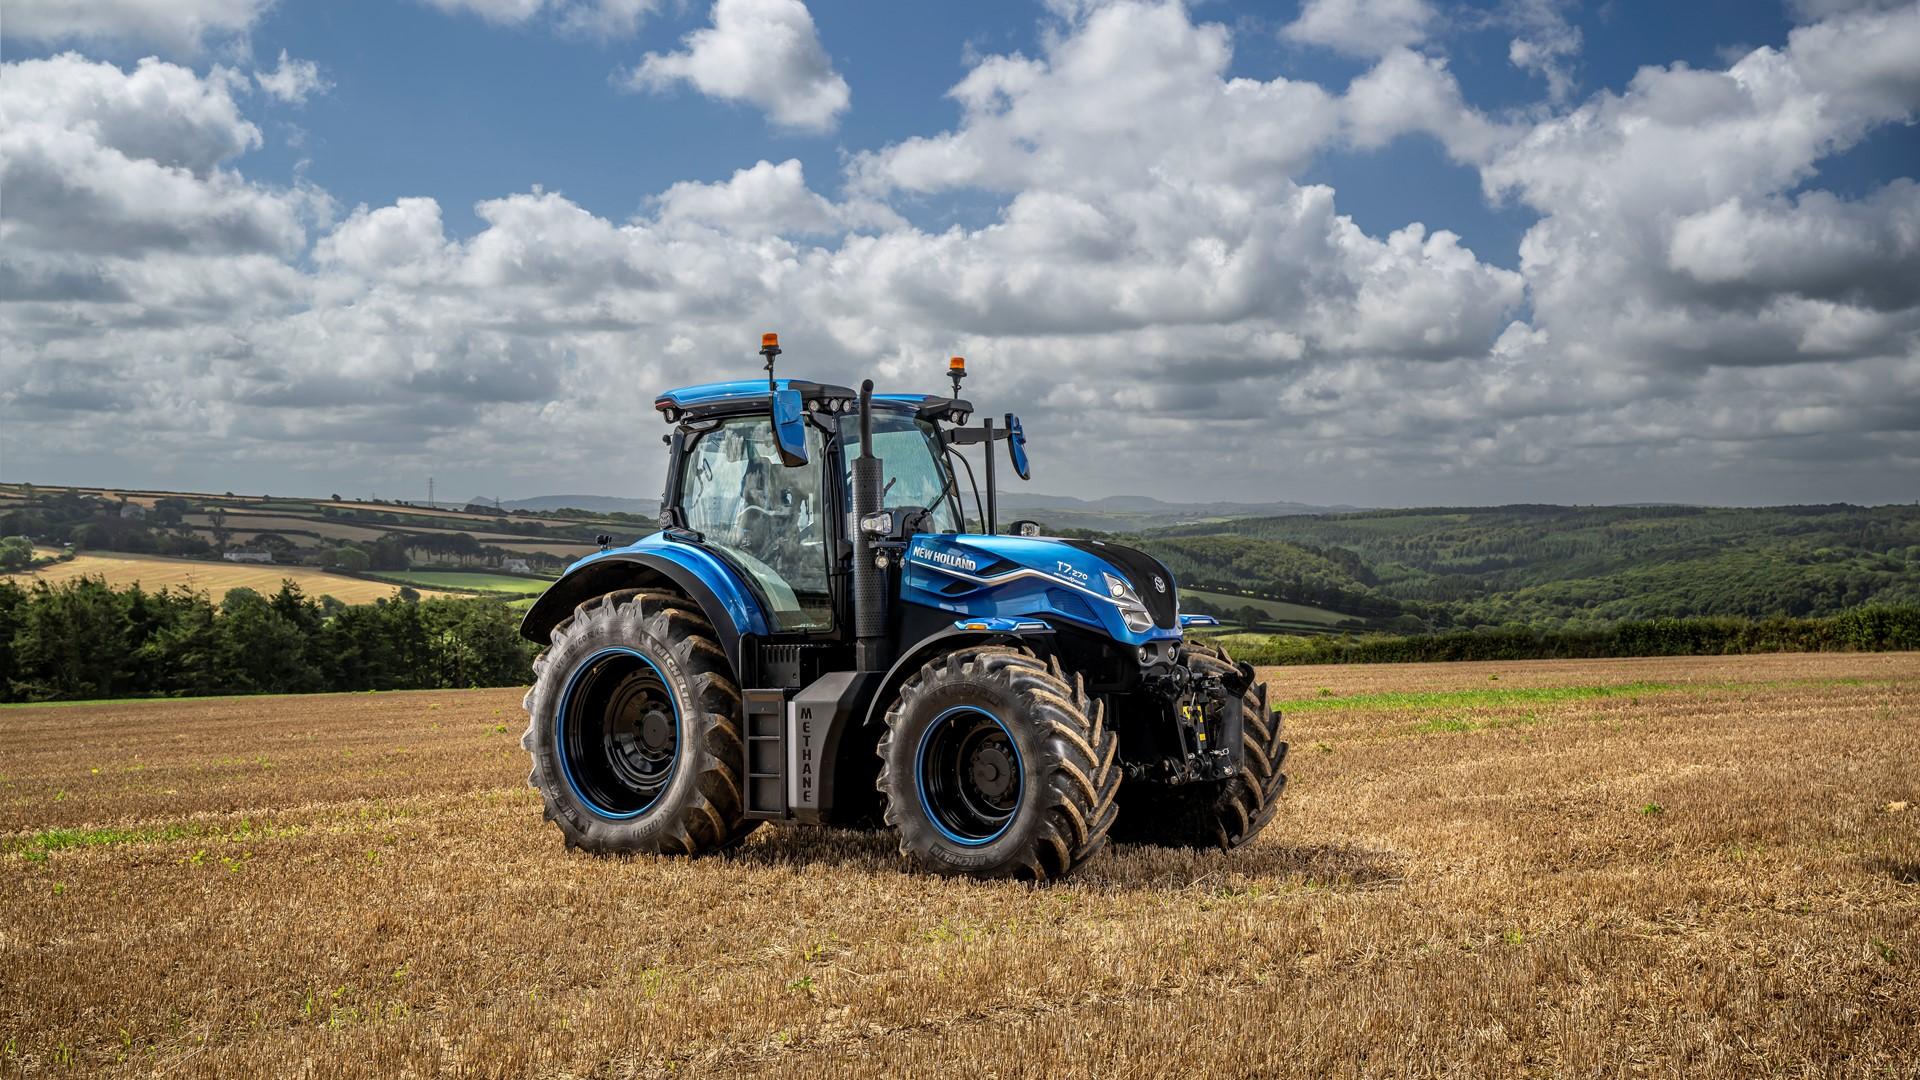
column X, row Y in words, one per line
column 869, row 580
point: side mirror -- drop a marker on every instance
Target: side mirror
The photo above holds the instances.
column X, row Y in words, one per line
column 789, row 428
column 1017, row 447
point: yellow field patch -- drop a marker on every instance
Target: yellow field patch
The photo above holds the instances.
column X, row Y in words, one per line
column 154, row 572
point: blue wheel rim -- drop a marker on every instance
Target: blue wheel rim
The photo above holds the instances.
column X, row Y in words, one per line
column 970, row 775
column 617, row 733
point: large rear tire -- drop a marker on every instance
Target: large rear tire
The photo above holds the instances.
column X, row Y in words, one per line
column 633, row 724
column 994, row 764
column 1215, row 813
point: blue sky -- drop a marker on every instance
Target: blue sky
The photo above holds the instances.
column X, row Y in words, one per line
column 439, row 227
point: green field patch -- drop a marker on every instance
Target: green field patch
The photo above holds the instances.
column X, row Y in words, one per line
column 38, row 845
column 1472, row 699
column 1277, row 610
column 458, row 579
column 35, row 847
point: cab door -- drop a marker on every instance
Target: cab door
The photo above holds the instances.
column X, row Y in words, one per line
column 768, row 519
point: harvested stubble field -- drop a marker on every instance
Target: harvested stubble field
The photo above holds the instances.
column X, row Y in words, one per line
column 1669, row 867
column 154, row 572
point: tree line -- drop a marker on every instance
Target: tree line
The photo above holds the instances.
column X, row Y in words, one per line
column 84, row 639
column 1866, row 629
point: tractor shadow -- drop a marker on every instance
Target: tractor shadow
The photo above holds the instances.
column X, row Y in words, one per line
column 869, row 851
column 1904, row 871
column 1259, row 867
column 1121, row 867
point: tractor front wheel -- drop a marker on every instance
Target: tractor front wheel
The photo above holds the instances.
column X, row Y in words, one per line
column 994, row 764
column 633, row 725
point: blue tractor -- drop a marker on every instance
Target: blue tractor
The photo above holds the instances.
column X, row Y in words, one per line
column 820, row 633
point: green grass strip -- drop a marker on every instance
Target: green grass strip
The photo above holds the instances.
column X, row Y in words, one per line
column 1488, row 698
column 36, row 846
column 62, row 839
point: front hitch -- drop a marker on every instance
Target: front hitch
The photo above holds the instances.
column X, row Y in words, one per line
column 1208, row 717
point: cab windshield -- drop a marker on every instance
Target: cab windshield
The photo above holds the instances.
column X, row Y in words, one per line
column 915, row 466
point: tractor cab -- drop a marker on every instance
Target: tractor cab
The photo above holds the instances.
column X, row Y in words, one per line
column 830, row 579
column 783, row 525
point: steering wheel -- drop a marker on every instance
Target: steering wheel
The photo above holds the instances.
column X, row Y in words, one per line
column 755, row 527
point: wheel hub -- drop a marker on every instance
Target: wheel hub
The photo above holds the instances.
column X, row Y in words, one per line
column 656, row 730
column 969, row 773
column 619, row 733
column 993, row 770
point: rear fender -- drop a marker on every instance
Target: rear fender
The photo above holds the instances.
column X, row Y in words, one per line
column 702, row 577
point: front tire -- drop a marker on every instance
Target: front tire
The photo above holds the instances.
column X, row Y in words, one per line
column 633, row 724
column 994, row 765
column 1214, row 813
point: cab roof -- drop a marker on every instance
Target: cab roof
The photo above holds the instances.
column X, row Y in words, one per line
column 745, row 395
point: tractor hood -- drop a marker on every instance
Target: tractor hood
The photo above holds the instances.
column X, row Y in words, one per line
column 981, row 575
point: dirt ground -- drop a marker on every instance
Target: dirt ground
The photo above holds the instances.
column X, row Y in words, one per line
column 1700, row 867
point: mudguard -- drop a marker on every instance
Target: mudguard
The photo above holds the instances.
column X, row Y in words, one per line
column 654, row 561
column 991, row 630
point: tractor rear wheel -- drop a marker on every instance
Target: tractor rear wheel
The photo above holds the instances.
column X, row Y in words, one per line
column 1213, row 813
column 633, row 723
column 995, row 764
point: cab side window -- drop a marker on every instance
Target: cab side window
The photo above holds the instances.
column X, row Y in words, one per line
column 766, row 518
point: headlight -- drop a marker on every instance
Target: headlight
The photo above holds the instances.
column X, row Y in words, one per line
column 1132, row 611
column 879, row 523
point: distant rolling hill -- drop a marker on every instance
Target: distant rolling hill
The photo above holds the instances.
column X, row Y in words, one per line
column 594, row 504
column 1133, row 513
column 1563, row 565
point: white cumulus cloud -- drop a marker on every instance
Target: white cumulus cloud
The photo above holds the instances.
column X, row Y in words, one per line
column 766, row 53
column 1546, row 43
column 293, row 81
column 1363, row 27
column 1135, row 91
column 178, row 26
column 1407, row 92
column 96, row 159
column 590, row 18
